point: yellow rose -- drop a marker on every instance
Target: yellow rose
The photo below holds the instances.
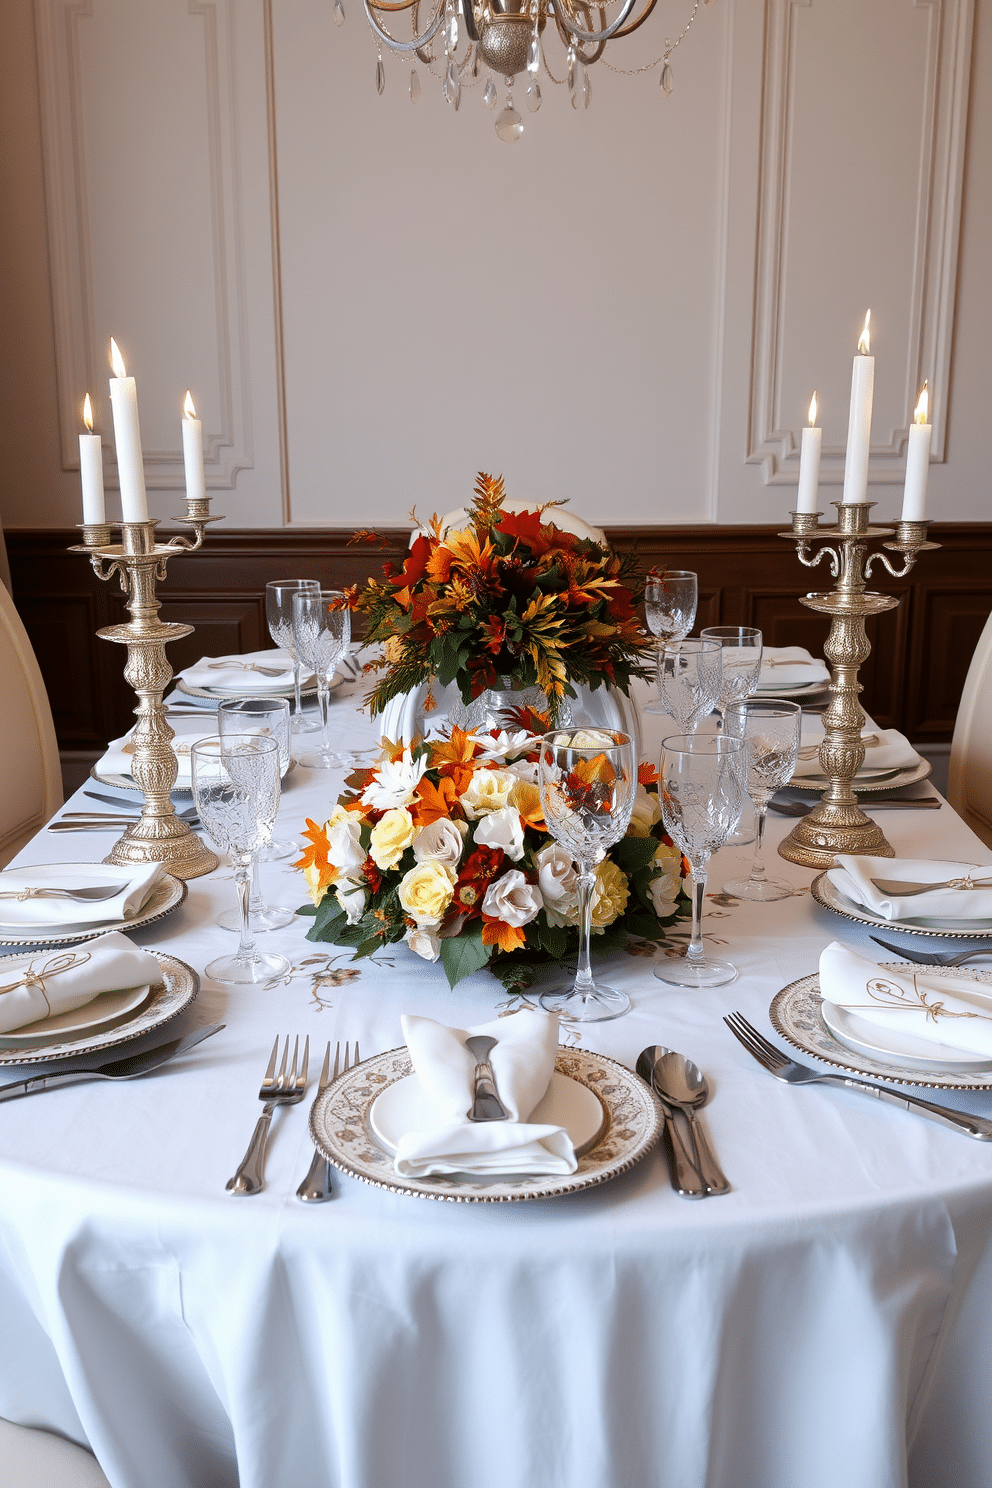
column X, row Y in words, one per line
column 527, row 800
column 426, row 891
column 488, row 790
column 391, row 837
column 610, row 895
column 647, row 811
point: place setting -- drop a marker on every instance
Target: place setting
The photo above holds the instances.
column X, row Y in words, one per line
column 917, row 896
column 68, row 903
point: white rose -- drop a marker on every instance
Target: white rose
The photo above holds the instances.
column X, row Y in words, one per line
column 556, row 873
column 502, row 829
column 441, row 839
column 424, row 942
column 592, row 739
column 487, row 791
column 345, row 851
column 525, row 770
column 352, row 899
column 664, row 889
column 647, row 811
column 513, row 900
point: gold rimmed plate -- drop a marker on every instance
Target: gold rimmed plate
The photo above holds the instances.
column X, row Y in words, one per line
column 865, row 785
column 165, row 1000
column 796, row 1014
column 342, row 1130
column 167, row 894
column 830, row 897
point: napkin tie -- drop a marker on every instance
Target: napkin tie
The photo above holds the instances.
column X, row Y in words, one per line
column 890, row 994
column 32, row 979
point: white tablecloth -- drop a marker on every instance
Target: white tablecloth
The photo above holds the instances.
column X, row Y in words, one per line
column 825, row 1323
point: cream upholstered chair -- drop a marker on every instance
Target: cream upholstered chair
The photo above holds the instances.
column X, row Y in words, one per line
column 969, row 775
column 39, row 1459
column 30, row 779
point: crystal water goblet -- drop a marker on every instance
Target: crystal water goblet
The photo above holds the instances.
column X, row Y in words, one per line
column 702, row 793
column 279, row 614
column 269, row 718
column 742, row 648
column 689, row 679
column 770, row 730
column 670, row 599
column 587, row 778
column 322, row 627
column 236, row 789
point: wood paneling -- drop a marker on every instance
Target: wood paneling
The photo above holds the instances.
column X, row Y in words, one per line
column 748, row 576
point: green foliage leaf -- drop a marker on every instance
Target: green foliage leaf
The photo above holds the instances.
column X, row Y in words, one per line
column 461, row 955
column 633, row 853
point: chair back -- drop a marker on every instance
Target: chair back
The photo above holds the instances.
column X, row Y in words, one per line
column 969, row 775
column 30, row 777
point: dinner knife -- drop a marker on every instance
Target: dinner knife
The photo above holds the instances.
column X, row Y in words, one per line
column 486, row 1104
column 127, row 1068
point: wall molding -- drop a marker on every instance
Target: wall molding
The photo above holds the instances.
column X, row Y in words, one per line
column 939, row 180
column 80, row 363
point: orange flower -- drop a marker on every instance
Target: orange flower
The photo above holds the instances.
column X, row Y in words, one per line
column 499, row 933
column 433, row 802
column 315, row 863
column 646, row 774
column 452, row 758
column 527, row 799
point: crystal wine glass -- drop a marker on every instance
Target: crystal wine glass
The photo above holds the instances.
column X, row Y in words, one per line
column 279, row 614
column 689, row 680
column 670, row 599
column 587, row 779
column 742, row 647
column 269, row 718
column 236, row 789
column 702, row 793
column 322, row 627
column 770, row 730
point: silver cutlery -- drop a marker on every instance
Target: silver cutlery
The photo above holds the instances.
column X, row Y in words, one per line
column 122, row 803
column 683, row 1084
column 784, row 1068
column 89, row 895
column 276, row 1090
column 486, row 1104
column 810, row 751
column 932, row 958
column 906, row 889
column 316, row 1186
column 128, row 1068
column 892, row 803
column 682, row 1170
column 246, row 666
column 190, row 816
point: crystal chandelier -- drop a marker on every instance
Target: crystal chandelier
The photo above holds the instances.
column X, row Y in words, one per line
column 508, row 37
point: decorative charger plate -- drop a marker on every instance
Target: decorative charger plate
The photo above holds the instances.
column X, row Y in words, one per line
column 796, row 1014
column 339, row 1123
column 827, row 894
column 907, row 776
column 106, row 1010
column 805, row 689
column 126, row 782
column 169, row 998
column 167, row 895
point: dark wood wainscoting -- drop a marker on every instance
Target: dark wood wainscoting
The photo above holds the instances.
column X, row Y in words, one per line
column 748, row 575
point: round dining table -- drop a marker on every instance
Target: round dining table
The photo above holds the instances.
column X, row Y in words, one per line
column 826, row 1322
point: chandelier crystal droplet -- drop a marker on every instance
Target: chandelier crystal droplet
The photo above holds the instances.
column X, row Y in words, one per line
column 510, row 38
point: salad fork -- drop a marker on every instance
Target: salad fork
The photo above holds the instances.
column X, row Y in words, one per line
column 316, row 1186
column 86, row 895
column 276, row 1090
column 784, row 1068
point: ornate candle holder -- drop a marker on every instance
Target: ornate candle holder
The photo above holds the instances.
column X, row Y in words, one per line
column 837, row 824
column 159, row 836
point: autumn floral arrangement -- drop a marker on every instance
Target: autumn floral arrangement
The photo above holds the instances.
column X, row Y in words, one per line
column 509, row 596
column 443, row 845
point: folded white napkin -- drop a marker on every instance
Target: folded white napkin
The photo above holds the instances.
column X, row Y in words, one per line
column 59, row 981
column 23, row 914
column 522, row 1062
column 892, row 752
column 949, row 1010
column 119, row 757
column 853, row 875
column 237, row 674
column 789, row 666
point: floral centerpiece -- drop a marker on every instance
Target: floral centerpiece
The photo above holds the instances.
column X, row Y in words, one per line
column 443, row 845
column 510, row 596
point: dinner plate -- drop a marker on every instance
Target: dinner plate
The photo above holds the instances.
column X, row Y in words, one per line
column 405, row 1106
column 893, row 1046
column 796, row 1014
column 217, row 695
column 166, row 1000
column 339, row 1124
column 128, row 783
column 909, row 775
column 167, row 895
column 827, row 894
column 106, row 1010
column 807, row 689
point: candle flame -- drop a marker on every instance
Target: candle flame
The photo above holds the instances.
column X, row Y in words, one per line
column 864, row 341
column 812, row 409
column 88, row 413
column 920, row 416
column 189, row 407
column 116, row 360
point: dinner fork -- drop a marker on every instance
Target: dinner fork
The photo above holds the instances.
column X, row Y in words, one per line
column 246, row 666
column 316, row 1186
column 784, row 1068
column 933, row 958
column 88, row 895
column 276, row 1090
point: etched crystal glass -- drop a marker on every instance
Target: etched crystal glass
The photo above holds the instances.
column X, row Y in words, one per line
column 690, row 675
column 670, row 599
column 269, row 718
column 322, row 629
column 770, row 730
column 279, row 615
column 742, row 648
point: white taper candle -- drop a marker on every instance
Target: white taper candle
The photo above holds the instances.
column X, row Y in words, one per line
column 127, row 440
column 859, row 422
column 914, row 496
column 809, row 463
column 193, row 451
column 91, row 470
